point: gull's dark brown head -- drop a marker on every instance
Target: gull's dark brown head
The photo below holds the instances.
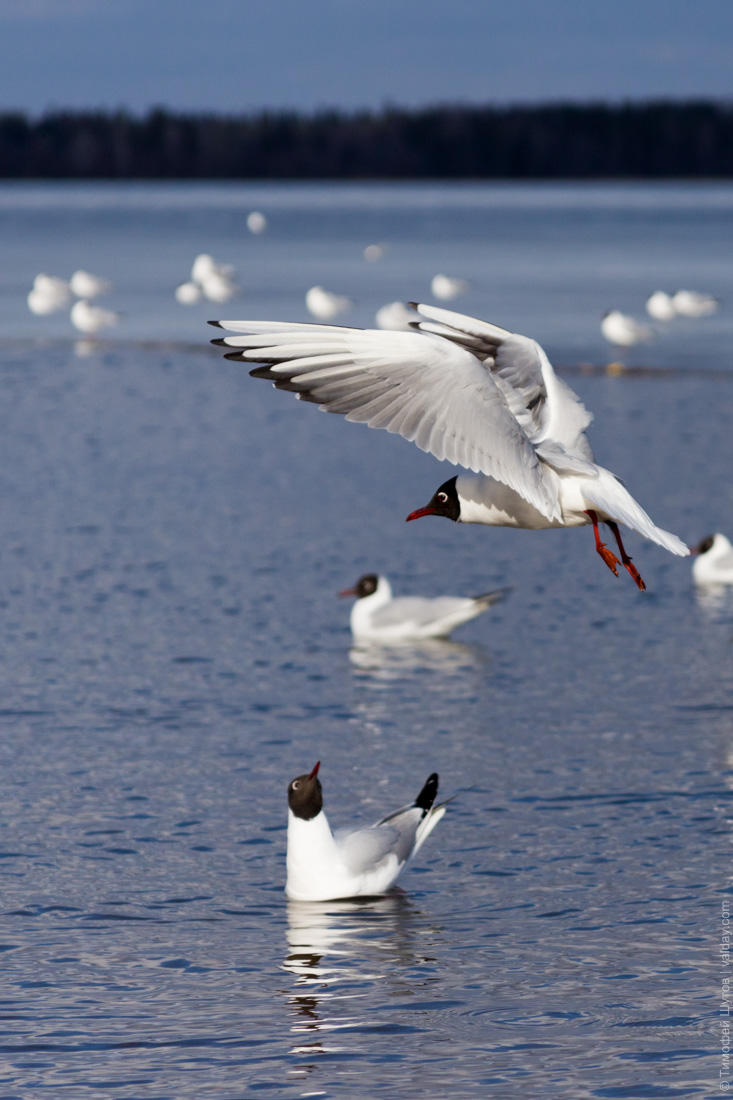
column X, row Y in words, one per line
column 365, row 586
column 445, row 502
column 704, row 546
column 305, row 797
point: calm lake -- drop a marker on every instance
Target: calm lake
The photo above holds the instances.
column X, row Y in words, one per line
column 172, row 653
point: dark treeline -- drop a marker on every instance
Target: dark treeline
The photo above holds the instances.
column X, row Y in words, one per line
column 561, row 141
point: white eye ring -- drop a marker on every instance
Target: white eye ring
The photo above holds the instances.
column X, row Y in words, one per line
column 296, row 784
column 442, row 497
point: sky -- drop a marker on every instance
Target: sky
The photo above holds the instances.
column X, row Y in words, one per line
column 238, row 56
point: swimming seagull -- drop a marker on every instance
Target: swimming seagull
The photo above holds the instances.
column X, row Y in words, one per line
column 469, row 392
column 446, row 287
column 324, row 866
column 188, row 293
column 377, row 616
column 660, row 306
column 690, row 303
column 713, row 562
column 256, row 222
column 85, row 285
column 92, row 319
column 324, row 305
column 48, row 294
column 396, row 316
column 217, row 281
column 624, row 331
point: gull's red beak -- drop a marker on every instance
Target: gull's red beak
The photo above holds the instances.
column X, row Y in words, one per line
column 314, row 773
column 420, row 512
column 348, row 592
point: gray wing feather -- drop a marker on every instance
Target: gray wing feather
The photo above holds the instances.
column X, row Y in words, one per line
column 363, row 848
column 418, row 611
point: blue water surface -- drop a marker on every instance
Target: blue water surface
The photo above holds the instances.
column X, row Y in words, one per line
column 172, row 653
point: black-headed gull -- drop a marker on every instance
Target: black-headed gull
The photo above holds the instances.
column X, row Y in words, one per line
column 323, row 866
column 377, row 616
column 624, row 331
column 469, row 392
column 713, row 562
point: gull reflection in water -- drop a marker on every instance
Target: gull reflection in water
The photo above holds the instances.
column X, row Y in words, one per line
column 337, row 950
column 715, row 601
column 391, row 662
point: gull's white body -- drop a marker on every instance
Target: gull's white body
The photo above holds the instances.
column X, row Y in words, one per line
column 624, row 331
column 690, row 303
column 395, row 316
column 382, row 618
column 217, row 286
column 714, row 566
column 85, row 285
column 660, row 306
column 48, row 295
column 92, row 319
column 325, row 305
column 188, row 294
column 256, row 222
column 446, row 287
column 322, row 865
column 466, row 391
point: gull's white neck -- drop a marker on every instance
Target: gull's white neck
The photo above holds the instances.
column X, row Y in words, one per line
column 312, row 853
column 363, row 609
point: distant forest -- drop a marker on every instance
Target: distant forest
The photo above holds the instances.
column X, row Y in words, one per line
column 658, row 140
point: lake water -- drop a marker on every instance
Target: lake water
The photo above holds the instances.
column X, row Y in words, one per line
column 173, row 653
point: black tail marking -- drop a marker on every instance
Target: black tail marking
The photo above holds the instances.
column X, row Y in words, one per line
column 428, row 794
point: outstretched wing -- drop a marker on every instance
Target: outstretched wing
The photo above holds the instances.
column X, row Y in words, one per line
column 546, row 407
column 434, row 392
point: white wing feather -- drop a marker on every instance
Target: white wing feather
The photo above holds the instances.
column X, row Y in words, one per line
column 430, row 390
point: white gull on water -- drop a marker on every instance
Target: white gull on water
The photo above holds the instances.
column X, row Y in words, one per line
column 322, row 865
column 378, row 616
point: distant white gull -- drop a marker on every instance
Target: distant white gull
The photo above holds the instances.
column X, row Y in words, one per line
column 396, row 316
column 446, row 288
column 660, row 306
column 624, row 331
column 325, row 305
column 188, row 293
column 690, row 303
column 256, row 222
column 92, row 319
column 324, row 866
column 49, row 294
column 85, row 285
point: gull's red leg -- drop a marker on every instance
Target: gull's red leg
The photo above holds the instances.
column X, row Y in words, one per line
column 625, row 559
column 608, row 556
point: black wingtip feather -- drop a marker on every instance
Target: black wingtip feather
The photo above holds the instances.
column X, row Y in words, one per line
column 236, row 356
column 262, row 372
column 216, row 324
column 428, row 794
column 413, row 305
column 220, row 341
